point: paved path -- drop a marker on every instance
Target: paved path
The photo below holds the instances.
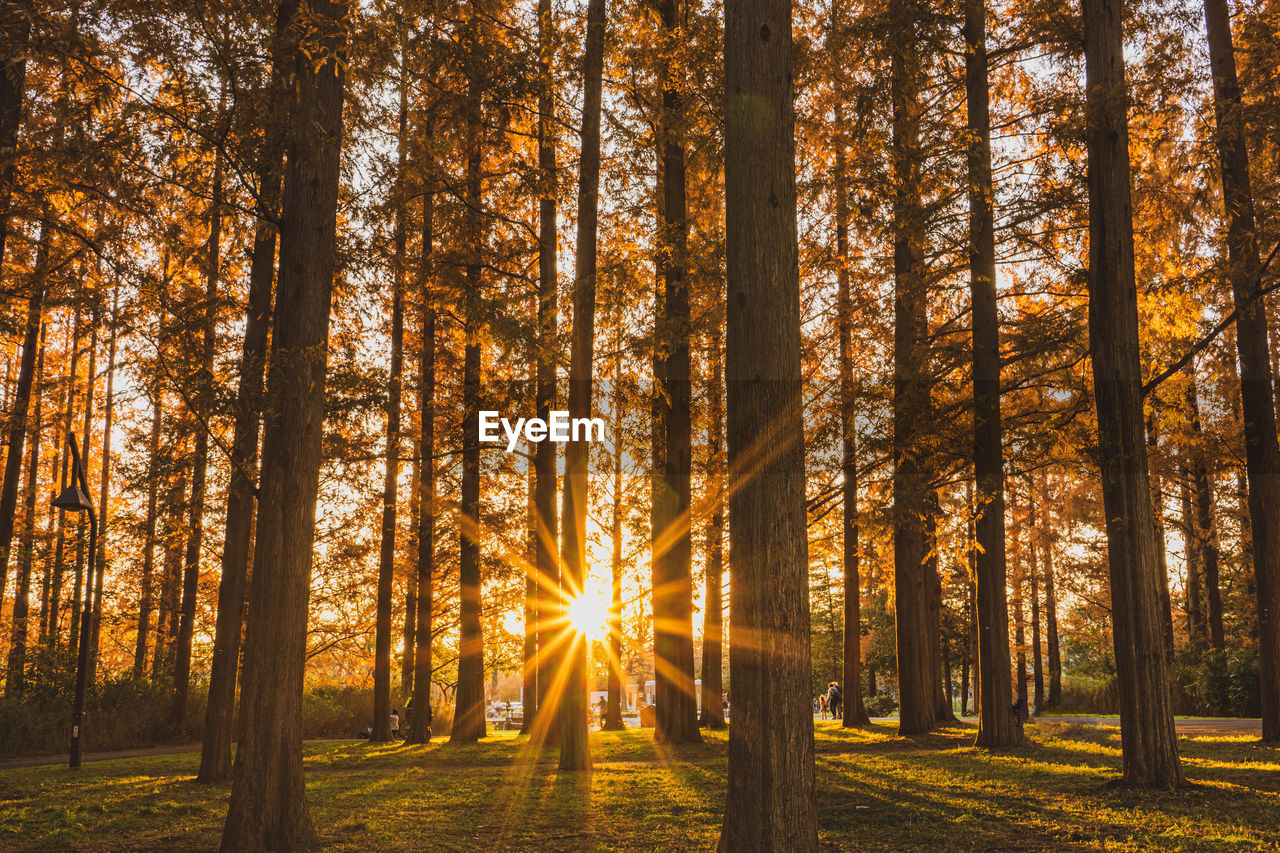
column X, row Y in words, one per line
column 1185, row 725
column 41, row 760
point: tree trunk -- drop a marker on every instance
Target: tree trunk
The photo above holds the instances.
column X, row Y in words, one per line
column 1148, row 740
column 104, row 488
column 574, row 747
column 149, row 531
column 1020, row 629
column 468, row 715
column 15, row 681
column 1157, row 506
column 544, row 709
column 1037, row 659
column 237, row 537
column 15, row 31
column 1196, row 635
column 996, row 726
column 770, row 802
column 613, row 706
column 918, row 709
column 420, row 721
column 1262, row 453
column 1206, row 534
column 203, row 392
column 59, row 565
column 391, row 477
column 83, row 587
column 21, row 403
column 1054, row 697
column 268, row 809
column 713, row 622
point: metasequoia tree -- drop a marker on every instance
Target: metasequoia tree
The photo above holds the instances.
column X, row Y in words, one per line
column 268, row 809
column 770, row 802
column 996, row 725
column 1147, row 735
column 712, row 715
column 1245, row 271
column 574, row 748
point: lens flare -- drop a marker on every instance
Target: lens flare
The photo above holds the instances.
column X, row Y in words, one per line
column 589, row 612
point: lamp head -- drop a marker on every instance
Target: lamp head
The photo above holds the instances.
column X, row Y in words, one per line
column 73, row 499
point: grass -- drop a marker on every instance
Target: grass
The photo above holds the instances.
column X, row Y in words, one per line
column 876, row 792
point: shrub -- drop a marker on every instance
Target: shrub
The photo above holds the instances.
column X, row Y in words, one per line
column 880, row 705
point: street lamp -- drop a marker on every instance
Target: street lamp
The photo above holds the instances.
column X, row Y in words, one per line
column 74, row 498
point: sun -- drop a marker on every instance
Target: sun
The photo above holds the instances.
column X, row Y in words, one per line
column 589, row 612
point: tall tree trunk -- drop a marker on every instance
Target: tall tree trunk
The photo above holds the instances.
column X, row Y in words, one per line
column 84, row 587
column 1206, row 534
column 933, row 579
column 529, row 670
column 1037, row 659
column 15, row 680
column 996, row 725
column 1020, row 628
column 1157, row 507
column 237, row 535
column 420, row 721
column 1196, row 634
column 268, row 807
column 1148, row 740
column 59, row 567
column 770, row 802
column 149, row 531
column 544, row 708
column 1054, row 697
column 15, row 35
column 1262, row 453
column 713, row 622
column 391, row 478
column 204, row 392
column 575, row 752
column 21, row 402
column 468, row 715
column 104, row 487
column 918, row 709
column 613, row 706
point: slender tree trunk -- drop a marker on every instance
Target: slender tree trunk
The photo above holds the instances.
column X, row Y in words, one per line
column 83, row 587
column 420, row 725
column 21, row 401
column 1054, row 698
column 149, row 531
column 1020, row 629
column 268, row 807
column 237, row 537
column 204, row 392
column 529, row 670
column 1148, row 740
column 15, row 27
column 1157, row 507
column 996, row 725
column 391, row 478
column 543, row 708
column 104, row 488
column 1196, row 635
column 918, row 709
column 468, row 715
column 1206, row 534
column 713, row 623
column 1262, row 452
column 770, row 802
column 613, row 707
column 55, row 583
column 15, row 680
column 1037, row 658
column 575, row 753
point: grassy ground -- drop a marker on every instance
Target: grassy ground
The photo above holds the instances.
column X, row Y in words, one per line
column 876, row 792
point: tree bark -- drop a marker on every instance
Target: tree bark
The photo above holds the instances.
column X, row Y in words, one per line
column 544, row 710
column 770, row 802
column 21, row 405
column 15, row 679
column 391, row 477
column 575, row 753
column 468, row 715
column 918, row 711
column 104, row 487
column 268, row 809
column 1157, row 507
column 59, row 564
column 713, row 623
column 1019, row 630
column 1196, row 635
column 1037, row 659
column 1054, row 697
column 1147, row 735
column 203, row 392
column 1206, row 534
column 613, row 706
column 420, row 721
column 149, row 539
column 237, row 537
column 996, row 725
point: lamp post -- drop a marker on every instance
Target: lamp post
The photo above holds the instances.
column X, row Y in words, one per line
column 75, row 498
